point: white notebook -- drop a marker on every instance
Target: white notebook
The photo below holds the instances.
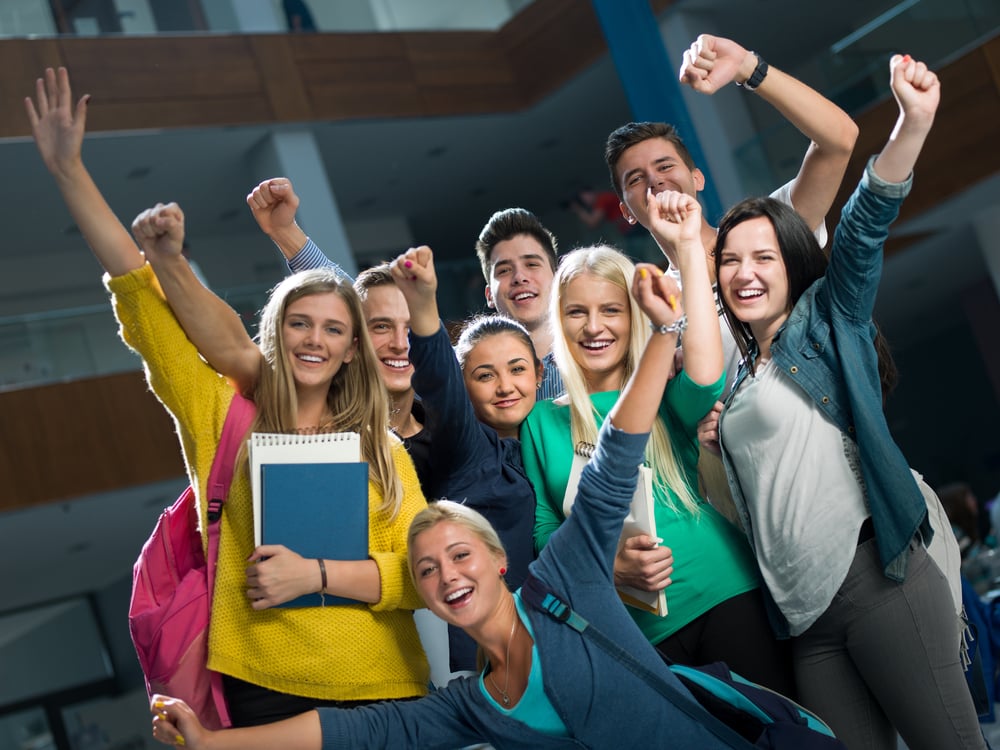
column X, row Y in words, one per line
column 278, row 448
column 640, row 520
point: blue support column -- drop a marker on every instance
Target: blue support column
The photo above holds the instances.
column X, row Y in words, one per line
column 649, row 78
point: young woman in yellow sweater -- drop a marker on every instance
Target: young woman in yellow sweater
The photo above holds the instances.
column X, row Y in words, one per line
column 317, row 372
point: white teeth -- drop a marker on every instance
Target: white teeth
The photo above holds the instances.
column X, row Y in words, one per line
column 596, row 345
column 522, row 296
column 748, row 293
column 400, row 364
column 457, row 594
column 310, row 358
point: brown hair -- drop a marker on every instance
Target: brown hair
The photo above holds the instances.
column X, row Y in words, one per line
column 509, row 223
column 628, row 135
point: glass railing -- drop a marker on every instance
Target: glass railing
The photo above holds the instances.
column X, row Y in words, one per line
column 71, row 17
column 63, row 345
column 853, row 72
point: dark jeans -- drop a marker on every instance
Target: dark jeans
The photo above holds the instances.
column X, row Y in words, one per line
column 737, row 632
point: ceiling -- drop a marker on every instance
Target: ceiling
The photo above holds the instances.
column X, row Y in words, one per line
column 445, row 175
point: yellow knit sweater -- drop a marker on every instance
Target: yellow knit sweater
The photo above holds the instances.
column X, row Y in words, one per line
column 342, row 652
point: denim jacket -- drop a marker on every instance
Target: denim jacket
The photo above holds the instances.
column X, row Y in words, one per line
column 826, row 347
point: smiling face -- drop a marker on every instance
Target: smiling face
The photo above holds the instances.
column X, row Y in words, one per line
column 316, row 333
column 654, row 164
column 501, row 378
column 457, row 574
column 753, row 277
column 520, row 280
column 388, row 320
column 596, row 323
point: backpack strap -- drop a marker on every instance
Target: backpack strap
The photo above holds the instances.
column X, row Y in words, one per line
column 220, row 477
column 535, row 593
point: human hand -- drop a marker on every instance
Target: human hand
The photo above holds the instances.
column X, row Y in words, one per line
column 416, row 278
column 658, row 295
column 160, row 232
column 712, row 62
column 675, row 219
column 174, row 723
column 273, row 204
column 56, row 124
column 915, row 87
column 278, row 575
column 708, row 430
column 643, row 564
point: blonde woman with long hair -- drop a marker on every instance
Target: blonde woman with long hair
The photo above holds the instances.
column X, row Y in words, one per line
column 316, row 373
column 716, row 611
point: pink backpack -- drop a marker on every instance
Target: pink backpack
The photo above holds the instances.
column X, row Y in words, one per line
column 172, row 588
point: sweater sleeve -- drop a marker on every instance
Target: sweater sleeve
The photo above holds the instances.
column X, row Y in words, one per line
column 398, row 589
column 435, row 721
column 194, row 394
column 438, row 380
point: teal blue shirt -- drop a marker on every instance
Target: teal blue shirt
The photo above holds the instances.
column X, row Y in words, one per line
column 534, row 709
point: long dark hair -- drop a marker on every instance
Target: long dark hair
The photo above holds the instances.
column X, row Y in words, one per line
column 804, row 260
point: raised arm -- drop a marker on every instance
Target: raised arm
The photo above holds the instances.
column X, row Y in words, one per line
column 273, row 204
column 58, row 127
column 918, row 93
column 713, row 62
column 659, row 297
column 675, row 219
column 417, row 280
column 212, row 325
column 174, row 723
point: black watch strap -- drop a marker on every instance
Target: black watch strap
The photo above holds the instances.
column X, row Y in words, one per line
column 758, row 75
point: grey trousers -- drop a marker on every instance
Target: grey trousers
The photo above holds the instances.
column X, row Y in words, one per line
column 884, row 657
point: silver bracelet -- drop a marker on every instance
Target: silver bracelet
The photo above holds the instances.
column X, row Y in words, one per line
column 678, row 326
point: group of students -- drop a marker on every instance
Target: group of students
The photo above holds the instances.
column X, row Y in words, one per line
column 821, row 590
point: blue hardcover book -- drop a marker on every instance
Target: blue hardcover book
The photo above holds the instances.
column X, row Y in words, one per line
column 316, row 510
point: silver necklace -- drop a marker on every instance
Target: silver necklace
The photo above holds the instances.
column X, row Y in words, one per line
column 504, row 696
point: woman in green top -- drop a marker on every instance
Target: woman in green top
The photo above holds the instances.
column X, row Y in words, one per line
column 716, row 611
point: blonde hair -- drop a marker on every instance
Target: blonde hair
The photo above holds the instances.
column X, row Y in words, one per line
column 357, row 398
column 462, row 515
column 610, row 265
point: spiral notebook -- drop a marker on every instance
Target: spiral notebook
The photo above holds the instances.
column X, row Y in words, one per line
column 278, row 448
column 640, row 520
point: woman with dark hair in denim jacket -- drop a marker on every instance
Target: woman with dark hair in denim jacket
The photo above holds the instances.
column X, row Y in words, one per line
column 827, row 499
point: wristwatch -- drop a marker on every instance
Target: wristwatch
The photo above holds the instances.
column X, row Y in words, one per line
column 758, row 75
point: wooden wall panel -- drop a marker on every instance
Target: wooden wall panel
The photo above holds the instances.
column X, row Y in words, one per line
column 212, row 80
column 70, row 439
column 548, row 42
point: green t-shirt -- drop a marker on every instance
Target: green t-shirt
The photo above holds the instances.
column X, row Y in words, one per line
column 712, row 560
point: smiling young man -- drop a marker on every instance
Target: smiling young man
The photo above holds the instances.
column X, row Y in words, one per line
column 388, row 320
column 645, row 159
column 518, row 256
